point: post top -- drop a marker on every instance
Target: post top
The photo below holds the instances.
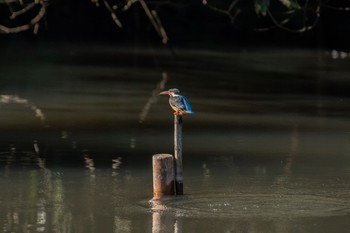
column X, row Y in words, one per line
column 162, row 156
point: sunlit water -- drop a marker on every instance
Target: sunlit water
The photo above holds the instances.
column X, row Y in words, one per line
column 267, row 149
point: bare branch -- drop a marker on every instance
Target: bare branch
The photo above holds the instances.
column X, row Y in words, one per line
column 32, row 23
column 151, row 14
column 227, row 12
column 22, row 11
column 155, row 22
column 285, row 21
column 7, row 1
column 113, row 15
column 337, row 8
column 162, row 32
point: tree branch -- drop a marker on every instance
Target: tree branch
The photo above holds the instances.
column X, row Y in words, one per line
column 34, row 22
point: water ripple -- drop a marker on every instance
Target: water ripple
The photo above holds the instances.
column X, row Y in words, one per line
column 254, row 205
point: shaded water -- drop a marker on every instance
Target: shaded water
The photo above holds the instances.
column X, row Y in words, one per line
column 267, row 150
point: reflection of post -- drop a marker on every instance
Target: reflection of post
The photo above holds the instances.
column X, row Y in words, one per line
column 115, row 165
column 156, row 223
column 178, row 225
column 36, row 147
column 164, row 220
column 294, row 144
column 163, row 175
column 291, row 156
column 178, row 154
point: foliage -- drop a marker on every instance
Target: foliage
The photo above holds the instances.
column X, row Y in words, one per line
column 290, row 15
column 261, row 7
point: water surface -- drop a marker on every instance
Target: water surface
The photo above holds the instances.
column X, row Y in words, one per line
column 266, row 151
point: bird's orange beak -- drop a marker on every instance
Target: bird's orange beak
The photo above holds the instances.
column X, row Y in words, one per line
column 165, row 93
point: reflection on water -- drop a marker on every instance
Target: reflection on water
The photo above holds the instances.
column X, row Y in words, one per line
column 9, row 99
column 154, row 97
column 267, row 151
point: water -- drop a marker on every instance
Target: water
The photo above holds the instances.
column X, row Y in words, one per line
column 266, row 151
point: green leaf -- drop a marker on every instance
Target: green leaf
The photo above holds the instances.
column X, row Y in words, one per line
column 261, row 7
column 291, row 4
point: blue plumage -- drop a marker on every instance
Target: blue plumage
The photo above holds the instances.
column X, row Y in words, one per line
column 186, row 103
column 178, row 102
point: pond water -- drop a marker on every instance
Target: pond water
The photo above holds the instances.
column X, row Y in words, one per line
column 267, row 149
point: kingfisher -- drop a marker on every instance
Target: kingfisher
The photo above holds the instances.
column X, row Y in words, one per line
column 178, row 102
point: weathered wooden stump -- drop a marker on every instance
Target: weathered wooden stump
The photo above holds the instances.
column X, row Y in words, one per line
column 163, row 175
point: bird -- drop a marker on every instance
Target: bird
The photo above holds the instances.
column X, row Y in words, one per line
column 178, row 102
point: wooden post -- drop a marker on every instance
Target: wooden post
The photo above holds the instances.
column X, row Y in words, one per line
column 163, row 175
column 178, row 154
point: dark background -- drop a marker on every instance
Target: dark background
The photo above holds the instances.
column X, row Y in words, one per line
column 188, row 24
